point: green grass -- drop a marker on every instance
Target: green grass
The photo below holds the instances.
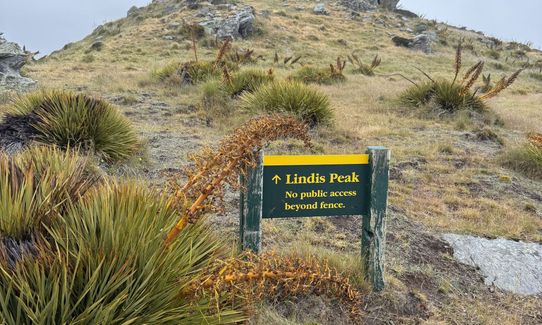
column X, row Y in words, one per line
column 442, row 95
column 37, row 185
column 247, row 80
column 526, row 159
column 296, row 98
column 72, row 120
column 104, row 262
column 322, row 76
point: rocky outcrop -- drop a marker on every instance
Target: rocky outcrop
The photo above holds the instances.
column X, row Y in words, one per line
column 320, row 9
column 422, row 42
column 364, row 5
column 238, row 23
column 12, row 58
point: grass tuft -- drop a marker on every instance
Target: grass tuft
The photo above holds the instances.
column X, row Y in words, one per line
column 290, row 97
column 527, row 159
column 246, row 81
column 37, row 185
column 74, row 120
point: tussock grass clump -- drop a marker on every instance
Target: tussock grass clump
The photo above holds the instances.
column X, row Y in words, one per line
column 194, row 72
column 527, row 159
column 245, row 81
column 458, row 94
column 322, row 76
column 104, row 262
column 364, row 69
column 72, row 120
column 291, row 97
column 216, row 101
column 37, row 185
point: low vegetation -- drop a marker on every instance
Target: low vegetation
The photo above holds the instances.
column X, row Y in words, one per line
column 290, row 97
column 246, row 80
column 70, row 120
column 527, row 159
column 457, row 94
column 322, row 76
column 56, row 261
column 363, row 68
column 37, row 185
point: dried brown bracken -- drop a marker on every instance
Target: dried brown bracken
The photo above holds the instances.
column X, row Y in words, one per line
column 212, row 168
column 249, row 278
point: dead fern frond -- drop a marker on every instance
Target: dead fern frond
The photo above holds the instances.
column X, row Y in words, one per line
column 287, row 59
column 213, row 168
column 194, row 42
column 252, row 277
column 226, row 75
column 376, row 62
column 276, row 59
column 425, row 74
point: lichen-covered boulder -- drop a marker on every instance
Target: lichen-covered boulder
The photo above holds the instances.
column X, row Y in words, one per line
column 12, row 59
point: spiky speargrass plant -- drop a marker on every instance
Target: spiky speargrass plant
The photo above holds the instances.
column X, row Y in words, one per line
column 322, row 76
column 251, row 278
column 213, row 168
column 67, row 119
column 360, row 67
column 36, row 186
column 527, row 159
column 245, row 81
column 104, row 263
column 453, row 96
column 290, row 97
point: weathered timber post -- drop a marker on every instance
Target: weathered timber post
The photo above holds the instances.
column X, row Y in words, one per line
column 374, row 221
column 251, row 207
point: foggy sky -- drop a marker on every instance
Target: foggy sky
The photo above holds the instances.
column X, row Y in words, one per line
column 518, row 20
column 47, row 25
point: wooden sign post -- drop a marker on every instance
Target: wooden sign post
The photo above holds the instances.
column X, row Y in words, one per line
column 326, row 185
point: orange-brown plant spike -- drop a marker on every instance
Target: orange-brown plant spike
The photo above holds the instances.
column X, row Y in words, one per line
column 252, row 277
column 535, row 139
column 213, row 168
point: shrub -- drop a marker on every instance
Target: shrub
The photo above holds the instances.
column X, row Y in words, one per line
column 290, row 97
column 456, row 95
column 75, row 120
column 246, row 81
column 36, row 185
column 104, row 262
column 527, row 159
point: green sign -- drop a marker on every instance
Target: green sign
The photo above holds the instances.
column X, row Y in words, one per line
column 333, row 185
column 306, row 186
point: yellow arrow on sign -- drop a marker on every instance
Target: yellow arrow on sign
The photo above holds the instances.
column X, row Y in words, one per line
column 276, row 179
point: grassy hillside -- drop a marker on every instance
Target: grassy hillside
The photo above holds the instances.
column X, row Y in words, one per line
column 449, row 171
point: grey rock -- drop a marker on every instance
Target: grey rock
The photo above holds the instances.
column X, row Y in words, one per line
column 509, row 265
column 388, row 4
column 320, row 9
column 424, row 42
column 240, row 24
column 12, row 59
column 360, row 5
column 132, row 11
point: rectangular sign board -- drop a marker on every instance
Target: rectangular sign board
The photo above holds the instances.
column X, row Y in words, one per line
column 310, row 186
